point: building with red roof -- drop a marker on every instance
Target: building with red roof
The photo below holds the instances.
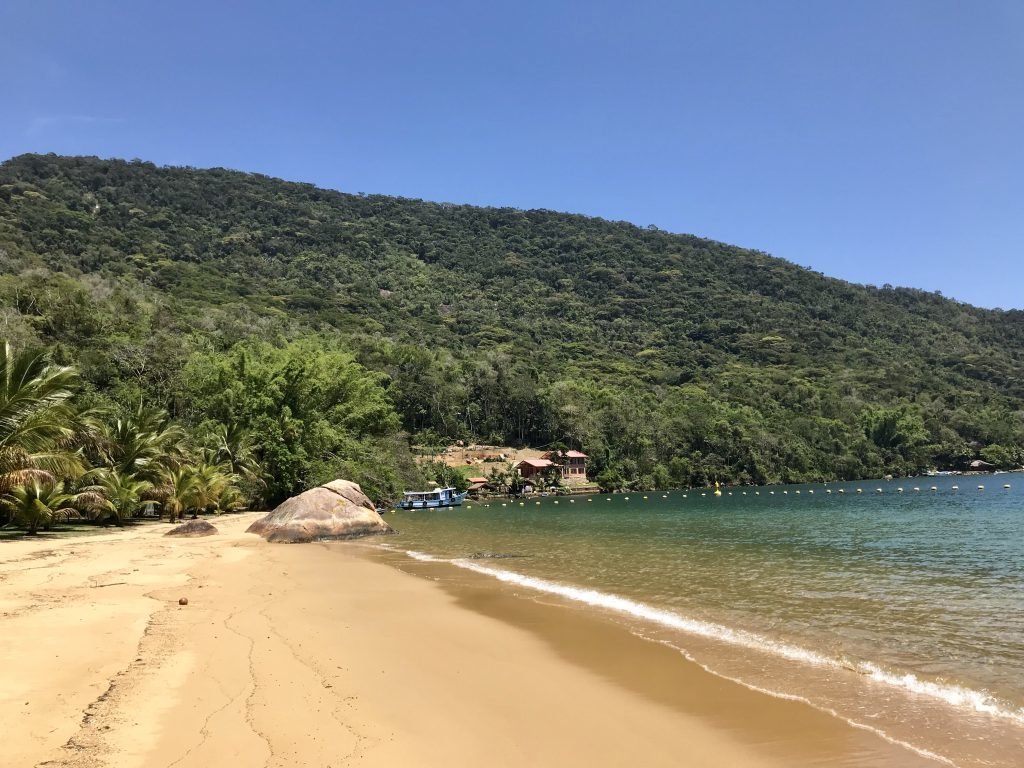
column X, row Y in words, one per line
column 572, row 467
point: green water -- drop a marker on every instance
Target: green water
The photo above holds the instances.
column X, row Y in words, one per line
column 899, row 611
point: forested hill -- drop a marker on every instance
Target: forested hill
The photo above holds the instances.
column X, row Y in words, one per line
column 670, row 359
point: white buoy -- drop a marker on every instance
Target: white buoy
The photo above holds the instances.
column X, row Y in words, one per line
column 899, row 490
column 860, row 490
column 771, row 493
column 811, row 491
column 537, row 503
column 757, row 493
column 684, row 495
column 935, row 487
column 665, row 496
column 572, row 501
column 916, row 489
column 878, row 490
column 504, row 505
column 556, row 501
column 589, row 499
column 981, row 487
column 828, row 490
column 1006, row 485
column 842, row 490
column 955, row 488
column 786, row 492
column 645, row 497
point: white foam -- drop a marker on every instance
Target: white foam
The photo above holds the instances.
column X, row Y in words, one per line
column 953, row 695
column 648, row 613
column 422, row 556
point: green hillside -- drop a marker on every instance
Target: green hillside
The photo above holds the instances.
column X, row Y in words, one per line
column 669, row 359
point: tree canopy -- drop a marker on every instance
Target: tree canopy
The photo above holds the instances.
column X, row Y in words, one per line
column 333, row 329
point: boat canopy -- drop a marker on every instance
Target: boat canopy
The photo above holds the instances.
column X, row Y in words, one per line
column 437, row 493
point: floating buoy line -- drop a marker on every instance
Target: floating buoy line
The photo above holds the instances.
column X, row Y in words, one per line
column 718, row 493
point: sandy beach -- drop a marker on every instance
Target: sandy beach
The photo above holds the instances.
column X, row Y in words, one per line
column 341, row 654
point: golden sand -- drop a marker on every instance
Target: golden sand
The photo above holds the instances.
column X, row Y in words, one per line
column 329, row 655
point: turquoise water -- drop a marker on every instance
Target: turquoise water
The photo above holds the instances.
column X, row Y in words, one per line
column 899, row 611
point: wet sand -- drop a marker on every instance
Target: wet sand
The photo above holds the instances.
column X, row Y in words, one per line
column 341, row 654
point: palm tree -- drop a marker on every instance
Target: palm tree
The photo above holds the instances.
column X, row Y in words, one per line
column 502, row 479
column 209, row 483
column 232, row 446
column 119, row 496
column 176, row 490
column 37, row 503
column 231, row 499
column 142, row 445
column 37, row 421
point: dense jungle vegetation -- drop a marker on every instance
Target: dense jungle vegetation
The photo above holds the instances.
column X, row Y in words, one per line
column 333, row 331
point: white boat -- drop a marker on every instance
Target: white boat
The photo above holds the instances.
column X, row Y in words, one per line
column 435, row 499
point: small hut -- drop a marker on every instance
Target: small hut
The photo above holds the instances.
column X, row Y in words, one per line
column 477, row 485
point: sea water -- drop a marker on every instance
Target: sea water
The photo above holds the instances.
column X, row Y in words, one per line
column 891, row 605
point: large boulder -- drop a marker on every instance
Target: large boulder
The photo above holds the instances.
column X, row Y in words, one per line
column 193, row 528
column 336, row 510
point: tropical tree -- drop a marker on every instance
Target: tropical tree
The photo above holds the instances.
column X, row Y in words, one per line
column 231, row 499
column 310, row 411
column 502, row 478
column 123, row 494
column 176, row 491
column 234, row 448
column 210, row 483
column 142, row 444
column 38, row 503
column 37, row 420
column 442, row 474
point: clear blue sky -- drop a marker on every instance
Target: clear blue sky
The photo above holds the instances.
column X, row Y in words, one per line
column 876, row 141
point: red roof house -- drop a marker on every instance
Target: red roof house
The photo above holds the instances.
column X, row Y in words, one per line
column 572, row 464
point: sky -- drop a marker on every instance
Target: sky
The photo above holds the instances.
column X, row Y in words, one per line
column 878, row 141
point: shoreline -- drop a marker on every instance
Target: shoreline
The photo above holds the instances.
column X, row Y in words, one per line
column 344, row 654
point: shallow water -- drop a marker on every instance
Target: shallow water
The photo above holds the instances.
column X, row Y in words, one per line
column 899, row 611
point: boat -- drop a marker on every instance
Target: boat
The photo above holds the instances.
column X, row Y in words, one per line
column 435, row 499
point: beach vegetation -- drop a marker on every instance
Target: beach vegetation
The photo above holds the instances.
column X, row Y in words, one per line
column 61, row 459
column 121, row 495
column 37, row 420
column 38, row 503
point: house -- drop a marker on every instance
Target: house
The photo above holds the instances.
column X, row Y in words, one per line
column 572, row 465
column 532, row 470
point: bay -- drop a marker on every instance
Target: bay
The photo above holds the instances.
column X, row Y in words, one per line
column 892, row 605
